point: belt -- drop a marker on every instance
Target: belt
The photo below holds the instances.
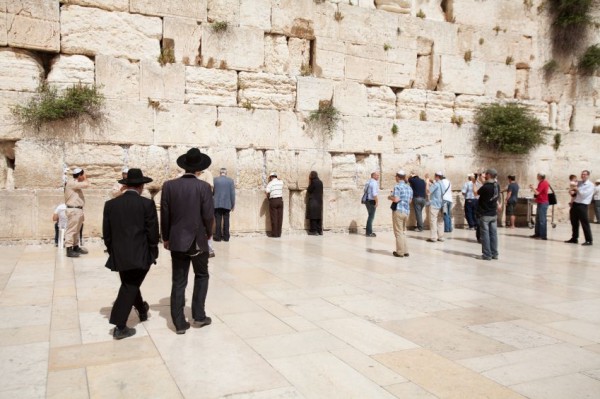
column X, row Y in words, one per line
column 75, row 207
column 276, row 198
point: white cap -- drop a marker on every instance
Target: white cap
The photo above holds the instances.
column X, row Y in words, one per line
column 77, row 170
column 597, row 181
column 125, row 169
column 273, row 174
column 439, row 173
column 470, row 175
column 401, row 173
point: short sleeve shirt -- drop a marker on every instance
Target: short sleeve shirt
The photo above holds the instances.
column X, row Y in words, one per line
column 513, row 189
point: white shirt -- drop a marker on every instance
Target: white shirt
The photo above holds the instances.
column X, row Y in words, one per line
column 275, row 188
column 585, row 192
column 467, row 190
column 446, row 190
column 597, row 193
column 62, row 216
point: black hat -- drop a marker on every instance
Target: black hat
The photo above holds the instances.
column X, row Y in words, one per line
column 194, row 160
column 135, row 178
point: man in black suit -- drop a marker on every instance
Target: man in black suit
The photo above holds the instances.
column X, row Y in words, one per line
column 187, row 217
column 130, row 230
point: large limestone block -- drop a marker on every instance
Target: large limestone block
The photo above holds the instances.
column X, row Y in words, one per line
column 295, row 132
column 367, row 134
column 500, row 80
column 427, row 74
column 162, row 82
column 69, row 70
column 256, row 13
column 440, row 106
column 418, row 139
column 443, row 35
column 411, row 103
column 381, row 102
column 245, row 218
column 265, row 90
column 251, row 169
column 299, row 50
column 17, row 214
column 153, row 161
column 277, row 54
column 3, row 26
column 38, row 164
column 186, row 35
column 584, row 118
column 185, row 124
column 466, row 105
column 118, row 77
column 324, row 21
column 540, row 110
column 293, row 167
column 224, row 10
column 462, row 77
column 398, row 6
column 511, row 15
column 210, row 86
column 46, row 202
column 460, row 141
column 19, row 71
column 344, row 172
column 285, row 164
column 311, row 91
column 124, row 122
column 370, row 64
column 222, row 158
column 350, row 98
column 364, row 26
column 329, row 59
column 92, row 31
column 431, row 8
column 293, row 18
column 244, row 128
column 240, row 48
column 10, row 128
column 33, row 24
column 108, row 5
column 196, row 9
column 102, row 163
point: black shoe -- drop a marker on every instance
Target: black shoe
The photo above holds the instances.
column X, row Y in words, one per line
column 226, row 239
column 120, row 333
column 211, row 254
column 587, row 243
column 572, row 241
column 313, row 233
column 143, row 314
column 80, row 250
column 397, row 255
column 495, row 257
column 372, row 235
column 484, row 257
column 182, row 329
column 201, row 323
column 534, row 236
column 406, row 255
column 72, row 253
column 216, row 239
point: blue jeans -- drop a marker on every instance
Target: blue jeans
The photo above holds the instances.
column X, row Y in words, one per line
column 470, row 207
column 541, row 220
column 488, row 228
column 447, row 216
column 418, row 205
column 371, row 211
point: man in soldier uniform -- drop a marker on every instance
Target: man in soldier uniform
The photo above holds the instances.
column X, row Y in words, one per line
column 75, row 201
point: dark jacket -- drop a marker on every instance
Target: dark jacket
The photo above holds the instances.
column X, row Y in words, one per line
column 186, row 213
column 224, row 192
column 314, row 207
column 130, row 231
column 489, row 196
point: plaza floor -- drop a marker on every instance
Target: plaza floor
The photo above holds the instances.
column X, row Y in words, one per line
column 315, row 317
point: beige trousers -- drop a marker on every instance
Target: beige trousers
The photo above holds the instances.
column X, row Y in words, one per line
column 436, row 223
column 74, row 223
column 399, row 222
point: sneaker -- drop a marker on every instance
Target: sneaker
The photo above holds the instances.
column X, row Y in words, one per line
column 181, row 330
column 372, row 235
column 483, row 257
column 71, row 253
column 495, row 257
column 80, row 250
column 571, row 241
column 125, row 332
column 201, row 323
column 143, row 314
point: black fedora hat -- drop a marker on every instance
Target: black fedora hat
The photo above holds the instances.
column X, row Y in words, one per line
column 135, row 177
column 194, row 160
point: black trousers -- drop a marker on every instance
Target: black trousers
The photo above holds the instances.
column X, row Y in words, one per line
column 276, row 213
column 180, row 263
column 316, row 226
column 222, row 221
column 579, row 214
column 129, row 295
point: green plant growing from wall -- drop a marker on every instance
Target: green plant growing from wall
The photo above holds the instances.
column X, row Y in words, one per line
column 305, row 69
column 509, row 128
column 570, row 22
column 589, row 63
column 327, row 117
column 497, row 29
column 48, row 105
column 394, row 129
column 457, row 120
column 219, row 26
column 557, row 141
column 338, row 16
column 387, row 46
column 481, row 41
column 423, row 116
column 421, row 14
column 468, row 56
column 550, row 67
column 167, row 56
column 596, row 129
column 509, row 60
column 248, row 105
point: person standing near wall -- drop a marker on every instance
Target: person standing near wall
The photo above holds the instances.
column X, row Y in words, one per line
column 274, row 191
column 512, row 193
column 597, row 201
column 447, row 200
column 401, row 198
column 541, row 213
column 579, row 209
column 75, row 200
column 436, row 216
column 314, row 207
column 419, row 191
column 59, row 217
column 224, row 196
column 487, row 208
column 372, row 190
column 470, row 203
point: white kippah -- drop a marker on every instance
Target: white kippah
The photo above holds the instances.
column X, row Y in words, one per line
column 77, row 170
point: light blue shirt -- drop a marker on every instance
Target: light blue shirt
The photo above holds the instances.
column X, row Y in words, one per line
column 372, row 189
column 467, row 190
column 404, row 193
column 435, row 195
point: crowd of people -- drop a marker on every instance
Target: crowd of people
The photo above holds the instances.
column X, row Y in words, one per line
column 195, row 210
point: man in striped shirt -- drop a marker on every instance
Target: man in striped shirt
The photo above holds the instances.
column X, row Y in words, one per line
column 401, row 197
column 274, row 192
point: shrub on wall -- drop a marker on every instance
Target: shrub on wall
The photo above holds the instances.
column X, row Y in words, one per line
column 327, row 117
column 569, row 25
column 589, row 63
column 49, row 105
column 509, row 128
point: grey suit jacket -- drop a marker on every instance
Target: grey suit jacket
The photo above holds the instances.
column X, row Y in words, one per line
column 186, row 213
column 224, row 192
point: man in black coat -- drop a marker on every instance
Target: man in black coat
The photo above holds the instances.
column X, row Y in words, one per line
column 314, row 208
column 130, row 230
column 187, row 218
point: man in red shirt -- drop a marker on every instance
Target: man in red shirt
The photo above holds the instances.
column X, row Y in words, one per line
column 541, row 198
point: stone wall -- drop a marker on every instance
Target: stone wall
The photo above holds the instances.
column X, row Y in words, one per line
column 244, row 95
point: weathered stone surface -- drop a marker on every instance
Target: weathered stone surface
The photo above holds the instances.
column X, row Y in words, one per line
column 185, row 124
column 500, row 80
column 102, row 163
column 38, row 164
column 366, row 134
column 118, row 77
column 153, row 161
column 381, row 102
column 162, row 82
column 17, row 209
column 443, row 35
column 440, row 106
column 276, row 54
column 462, row 77
column 10, row 128
column 265, row 90
column 350, row 98
column 92, row 31
column 365, row 26
column 292, row 18
column 584, row 118
column 466, row 106
column 343, row 173
column 329, row 59
column 399, row 6
column 299, row 50
column 419, row 140
column 224, row 10
column 19, row 70
column 511, row 15
column 7, row 151
column 293, row 167
column 251, row 168
column 411, row 103
column 240, row 48
column 256, row 13
column 186, row 8
column 210, row 86
column 186, row 35
column 3, row 24
column 428, row 72
column 431, row 8
column 244, row 128
column 108, row 5
column 225, row 157
column 33, row 24
column 460, row 141
column 311, row 91
column 374, row 65
column 69, row 70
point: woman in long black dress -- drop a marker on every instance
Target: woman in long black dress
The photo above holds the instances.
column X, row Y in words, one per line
column 314, row 207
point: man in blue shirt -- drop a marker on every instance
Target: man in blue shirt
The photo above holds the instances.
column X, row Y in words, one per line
column 468, row 191
column 418, row 187
column 401, row 198
column 372, row 190
column 512, row 193
column 436, row 215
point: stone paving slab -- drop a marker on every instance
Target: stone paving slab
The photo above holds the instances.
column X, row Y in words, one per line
column 315, row 317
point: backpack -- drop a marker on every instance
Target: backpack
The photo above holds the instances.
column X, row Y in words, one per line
column 365, row 195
